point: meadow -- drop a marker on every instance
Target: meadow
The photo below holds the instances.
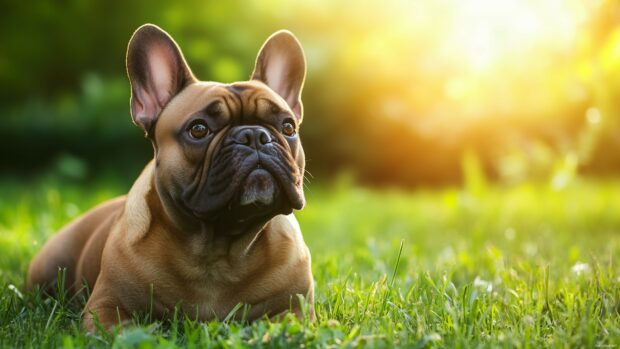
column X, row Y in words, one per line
column 519, row 266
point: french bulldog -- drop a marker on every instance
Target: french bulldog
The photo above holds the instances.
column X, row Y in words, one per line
column 209, row 222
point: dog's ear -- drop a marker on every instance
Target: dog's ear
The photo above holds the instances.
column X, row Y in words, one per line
column 281, row 65
column 157, row 72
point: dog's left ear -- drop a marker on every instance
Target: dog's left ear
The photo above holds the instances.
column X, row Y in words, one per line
column 281, row 65
column 157, row 72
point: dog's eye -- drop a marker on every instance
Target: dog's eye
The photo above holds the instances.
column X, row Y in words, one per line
column 288, row 128
column 198, row 130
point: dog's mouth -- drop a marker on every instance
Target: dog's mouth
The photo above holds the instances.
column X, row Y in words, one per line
column 259, row 189
column 256, row 189
column 258, row 195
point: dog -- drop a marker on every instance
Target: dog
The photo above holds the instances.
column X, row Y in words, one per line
column 209, row 222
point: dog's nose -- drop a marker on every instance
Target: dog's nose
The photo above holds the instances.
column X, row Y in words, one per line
column 254, row 137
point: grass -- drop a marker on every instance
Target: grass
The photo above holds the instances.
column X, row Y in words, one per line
column 521, row 266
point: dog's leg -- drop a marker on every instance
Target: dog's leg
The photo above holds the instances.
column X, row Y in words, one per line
column 106, row 318
column 103, row 310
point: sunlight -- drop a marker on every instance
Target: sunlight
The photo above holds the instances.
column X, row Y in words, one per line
column 499, row 55
column 470, row 59
column 486, row 32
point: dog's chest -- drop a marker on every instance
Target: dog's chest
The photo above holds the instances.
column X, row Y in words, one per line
column 209, row 284
column 207, row 280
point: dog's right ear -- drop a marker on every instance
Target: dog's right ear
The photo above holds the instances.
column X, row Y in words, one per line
column 157, row 72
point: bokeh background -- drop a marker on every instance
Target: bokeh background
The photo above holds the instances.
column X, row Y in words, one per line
column 463, row 157
column 399, row 93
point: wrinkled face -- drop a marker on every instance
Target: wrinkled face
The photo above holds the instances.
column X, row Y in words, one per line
column 230, row 152
column 224, row 153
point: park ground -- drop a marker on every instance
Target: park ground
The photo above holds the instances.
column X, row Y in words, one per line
column 511, row 266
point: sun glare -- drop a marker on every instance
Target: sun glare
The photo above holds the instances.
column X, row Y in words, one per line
column 460, row 58
column 487, row 32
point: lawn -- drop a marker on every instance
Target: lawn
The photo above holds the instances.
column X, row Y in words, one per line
column 493, row 266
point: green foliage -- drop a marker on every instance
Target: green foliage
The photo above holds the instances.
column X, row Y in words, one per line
column 390, row 95
column 521, row 266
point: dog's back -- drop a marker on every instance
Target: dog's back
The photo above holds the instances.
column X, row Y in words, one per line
column 62, row 254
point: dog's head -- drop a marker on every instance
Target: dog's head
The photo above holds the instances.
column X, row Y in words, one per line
column 224, row 153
